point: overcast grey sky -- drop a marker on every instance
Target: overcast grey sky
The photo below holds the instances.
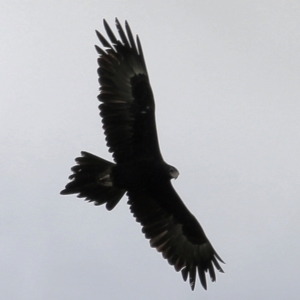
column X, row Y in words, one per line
column 225, row 76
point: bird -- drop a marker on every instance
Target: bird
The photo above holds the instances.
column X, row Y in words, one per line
column 127, row 110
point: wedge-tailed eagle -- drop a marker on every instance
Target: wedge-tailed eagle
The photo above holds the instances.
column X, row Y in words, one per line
column 127, row 110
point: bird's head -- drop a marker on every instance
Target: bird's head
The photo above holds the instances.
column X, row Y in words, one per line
column 174, row 173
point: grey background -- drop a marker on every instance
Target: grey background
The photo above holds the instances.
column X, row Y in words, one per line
column 225, row 76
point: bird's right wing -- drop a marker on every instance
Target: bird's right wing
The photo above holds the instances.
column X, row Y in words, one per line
column 127, row 108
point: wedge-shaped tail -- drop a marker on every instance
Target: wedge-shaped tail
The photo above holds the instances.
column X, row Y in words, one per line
column 91, row 180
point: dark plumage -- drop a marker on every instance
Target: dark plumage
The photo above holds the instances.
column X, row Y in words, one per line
column 127, row 110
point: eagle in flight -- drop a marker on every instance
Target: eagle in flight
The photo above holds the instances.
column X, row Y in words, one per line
column 127, row 110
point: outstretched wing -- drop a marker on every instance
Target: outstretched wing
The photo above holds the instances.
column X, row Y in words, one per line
column 127, row 108
column 175, row 232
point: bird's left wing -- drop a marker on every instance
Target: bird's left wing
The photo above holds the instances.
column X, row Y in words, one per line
column 175, row 232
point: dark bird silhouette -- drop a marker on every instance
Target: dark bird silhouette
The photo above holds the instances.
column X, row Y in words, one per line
column 127, row 110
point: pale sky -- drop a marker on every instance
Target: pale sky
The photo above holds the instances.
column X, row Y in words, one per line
column 225, row 76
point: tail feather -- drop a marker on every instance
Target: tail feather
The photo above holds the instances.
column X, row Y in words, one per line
column 91, row 180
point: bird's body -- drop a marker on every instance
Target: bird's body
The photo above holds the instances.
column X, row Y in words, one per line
column 128, row 115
